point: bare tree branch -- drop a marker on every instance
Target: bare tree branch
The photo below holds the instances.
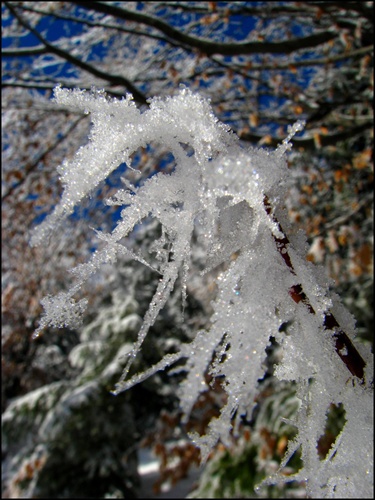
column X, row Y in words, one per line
column 313, row 62
column 27, row 51
column 209, row 47
column 98, row 24
column 50, row 86
column 309, row 143
column 112, row 79
column 27, row 169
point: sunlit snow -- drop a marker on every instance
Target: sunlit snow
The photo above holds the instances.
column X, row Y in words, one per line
column 265, row 282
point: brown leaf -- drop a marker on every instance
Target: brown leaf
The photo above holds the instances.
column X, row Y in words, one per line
column 363, row 159
column 254, row 120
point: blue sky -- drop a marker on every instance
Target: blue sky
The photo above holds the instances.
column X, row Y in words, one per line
column 54, row 29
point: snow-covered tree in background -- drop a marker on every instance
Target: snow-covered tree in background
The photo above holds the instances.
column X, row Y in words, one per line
column 233, row 200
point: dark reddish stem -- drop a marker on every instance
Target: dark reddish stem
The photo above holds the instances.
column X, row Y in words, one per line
column 344, row 346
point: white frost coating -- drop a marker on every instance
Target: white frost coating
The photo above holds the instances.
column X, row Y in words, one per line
column 236, row 195
column 118, row 130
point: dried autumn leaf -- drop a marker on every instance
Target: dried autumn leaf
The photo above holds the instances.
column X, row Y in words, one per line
column 342, row 175
column 331, row 242
column 254, row 120
column 355, row 269
column 319, row 13
column 267, row 139
column 17, row 174
column 317, row 140
column 363, row 159
column 364, row 255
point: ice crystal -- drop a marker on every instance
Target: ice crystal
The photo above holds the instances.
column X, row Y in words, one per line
column 265, row 282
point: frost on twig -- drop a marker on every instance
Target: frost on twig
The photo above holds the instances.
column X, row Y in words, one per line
column 237, row 196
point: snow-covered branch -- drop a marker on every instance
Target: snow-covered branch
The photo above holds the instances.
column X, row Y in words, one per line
column 266, row 289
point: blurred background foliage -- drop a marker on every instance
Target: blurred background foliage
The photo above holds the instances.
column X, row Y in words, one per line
column 264, row 65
